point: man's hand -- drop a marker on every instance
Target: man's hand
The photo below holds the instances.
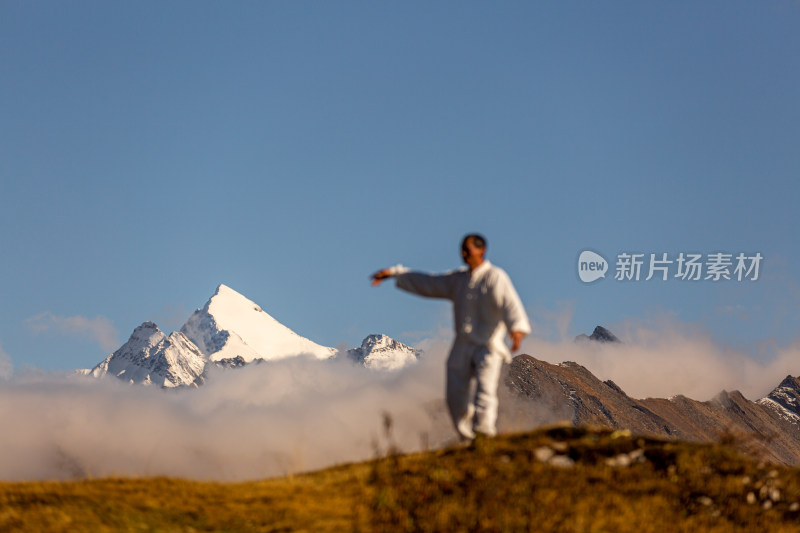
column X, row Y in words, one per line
column 379, row 276
column 516, row 340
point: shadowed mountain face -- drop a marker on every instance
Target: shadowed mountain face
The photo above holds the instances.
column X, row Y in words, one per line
column 540, row 393
column 599, row 334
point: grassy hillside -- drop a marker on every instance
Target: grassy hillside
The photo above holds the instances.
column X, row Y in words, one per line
column 555, row 479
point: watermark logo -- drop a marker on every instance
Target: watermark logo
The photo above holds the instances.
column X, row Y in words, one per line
column 685, row 266
column 591, row 266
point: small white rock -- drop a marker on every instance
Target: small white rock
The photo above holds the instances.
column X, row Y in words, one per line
column 543, row 453
column 561, row 461
column 622, row 460
column 705, row 500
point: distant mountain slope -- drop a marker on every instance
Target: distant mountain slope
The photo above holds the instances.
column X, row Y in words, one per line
column 569, row 391
column 600, row 334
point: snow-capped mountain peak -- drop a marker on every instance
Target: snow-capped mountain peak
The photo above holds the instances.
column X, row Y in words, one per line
column 150, row 356
column 229, row 331
column 146, row 334
column 381, row 352
column 231, row 326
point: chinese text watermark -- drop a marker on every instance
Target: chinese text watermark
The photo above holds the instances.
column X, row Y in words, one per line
column 684, row 266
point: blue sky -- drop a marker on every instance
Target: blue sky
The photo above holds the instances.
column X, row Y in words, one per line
column 150, row 151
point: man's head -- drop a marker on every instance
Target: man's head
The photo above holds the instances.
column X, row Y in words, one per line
column 473, row 249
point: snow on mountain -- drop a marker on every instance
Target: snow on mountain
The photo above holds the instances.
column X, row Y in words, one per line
column 150, row 356
column 231, row 326
column 229, row 331
column 785, row 399
column 380, row 352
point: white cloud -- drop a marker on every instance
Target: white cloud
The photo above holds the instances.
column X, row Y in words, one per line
column 264, row 420
column 98, row 329
column 666, row 357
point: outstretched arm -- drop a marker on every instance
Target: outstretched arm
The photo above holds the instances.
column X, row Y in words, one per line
column 430, row 285
column 378, row 277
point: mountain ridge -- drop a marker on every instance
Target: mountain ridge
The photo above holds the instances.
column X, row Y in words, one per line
column 229, row 331
column 569, row 391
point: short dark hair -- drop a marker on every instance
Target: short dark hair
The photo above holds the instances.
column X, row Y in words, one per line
column 478, row 240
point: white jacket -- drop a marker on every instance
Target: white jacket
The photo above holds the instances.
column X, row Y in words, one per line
column 485, row 304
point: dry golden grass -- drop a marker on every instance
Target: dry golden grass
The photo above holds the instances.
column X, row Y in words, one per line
column 322, row 501
column 595, row 481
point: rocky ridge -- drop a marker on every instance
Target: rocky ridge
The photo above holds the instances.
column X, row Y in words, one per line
column 538, row 393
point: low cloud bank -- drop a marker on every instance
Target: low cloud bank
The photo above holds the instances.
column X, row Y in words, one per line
column 299, row 414
column 264, row 420
column 665, row 357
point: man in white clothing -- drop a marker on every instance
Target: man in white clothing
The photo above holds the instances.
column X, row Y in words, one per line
column 486, row 307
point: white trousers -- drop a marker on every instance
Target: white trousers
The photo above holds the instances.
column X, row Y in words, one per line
column 468, row 364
